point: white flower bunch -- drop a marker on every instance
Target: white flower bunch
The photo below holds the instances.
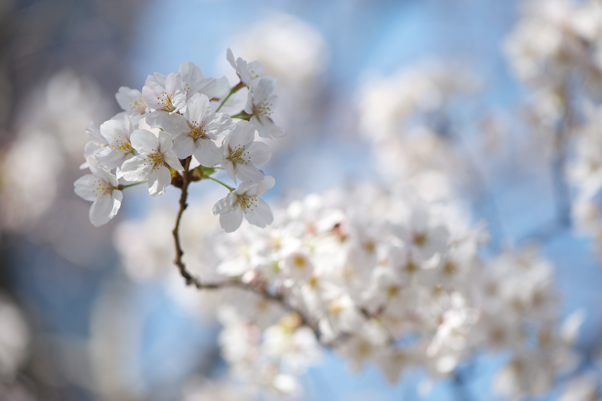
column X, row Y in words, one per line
column 382, row 278
column 173, row 133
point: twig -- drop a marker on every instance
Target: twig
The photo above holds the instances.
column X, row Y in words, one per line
column 191, row 280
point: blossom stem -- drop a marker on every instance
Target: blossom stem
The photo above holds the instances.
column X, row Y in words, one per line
column 235, row 89
column 122, row 186
column 221, row 183
column 242, row 115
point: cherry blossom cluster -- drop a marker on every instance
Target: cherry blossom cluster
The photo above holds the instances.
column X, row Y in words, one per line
column 383, row 278
column 173, row 132
column 556, row 49
column 406, row 117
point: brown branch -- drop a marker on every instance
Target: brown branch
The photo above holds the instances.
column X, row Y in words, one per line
column 191, row 280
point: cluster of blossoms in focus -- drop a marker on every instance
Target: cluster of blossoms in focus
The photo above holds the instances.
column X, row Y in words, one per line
column 173, row 127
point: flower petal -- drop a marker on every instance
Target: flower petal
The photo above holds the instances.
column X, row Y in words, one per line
column 158, row 180
column 231, row 221
column 100, row 211
column 145, row 142
column 260, row 215
column 207, row 153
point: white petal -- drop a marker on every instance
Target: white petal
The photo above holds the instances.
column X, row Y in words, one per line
column 84, row 187
column 184, row 146
column 229, row 167
column 266, row 127
column 165, row 142
column 190, row 72
column 158, row 180
column 198, row 108
column 117, row 198
column 224, row 205
column 248, row 172
column 242, row 135
column 136, row 169
column 262, row 187
column 259, row 153
column 260, row 215
column 231, row 221
column 207, row 153
column 230, row 58
column 100, row 211
column 174, row 124
column 145, row 142
column 171, row 159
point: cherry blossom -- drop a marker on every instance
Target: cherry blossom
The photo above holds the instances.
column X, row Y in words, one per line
column 100, row 188
column 155, row 157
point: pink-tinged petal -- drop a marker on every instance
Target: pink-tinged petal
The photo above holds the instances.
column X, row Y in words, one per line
column 174, row 124
column 117, row 199
column 171, row 159
column 145, row 142
column 184, row 146
column 248, row 172
column 198, row 108
column 259, row 153
column 165, row 142
column 136, row 169
column 259, row 214
column 85, row 187
column 100, row 211
column 262, row 187
column 232, row 220
column 158, row 180
column 242, row 134
column 230, row 58
column 266, row 127
column 207, row 153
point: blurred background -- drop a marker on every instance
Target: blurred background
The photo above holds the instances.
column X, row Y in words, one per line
column 78, row 321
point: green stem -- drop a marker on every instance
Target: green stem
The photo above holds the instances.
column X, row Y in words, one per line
column 242, row 115
column 235, row 89
column 221, row 183
column 121, row 186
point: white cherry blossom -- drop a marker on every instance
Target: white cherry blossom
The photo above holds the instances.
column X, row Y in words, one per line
column 196, row 130
column 241, row 154
column 131, row 101
column 261, row 101
column 247, row 72
column 101, row 188
column 244, row 201
column 116, row 132
column 155, row 156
